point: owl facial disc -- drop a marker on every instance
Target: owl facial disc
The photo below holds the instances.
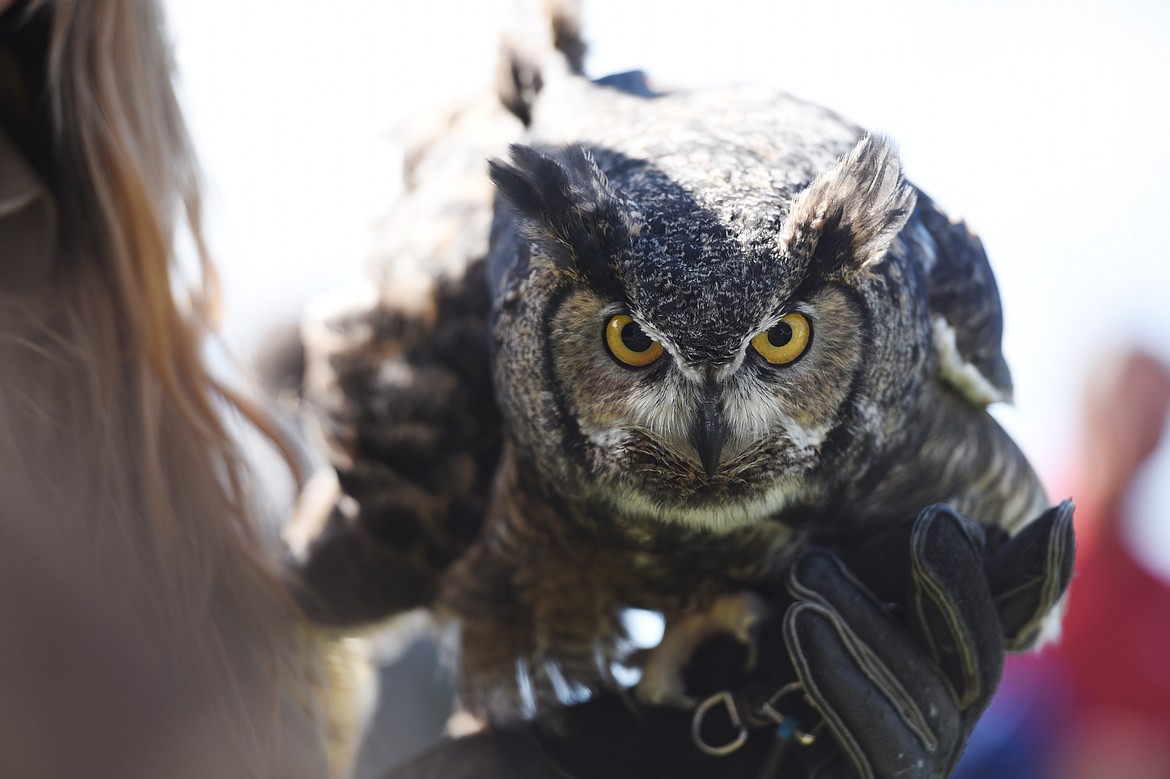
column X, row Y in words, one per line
column 700, row 345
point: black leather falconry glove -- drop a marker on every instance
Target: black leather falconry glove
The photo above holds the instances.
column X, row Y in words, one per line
column 901, row 688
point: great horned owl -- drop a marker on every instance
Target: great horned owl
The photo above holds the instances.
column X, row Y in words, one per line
column 720, row 327
column 723, row 327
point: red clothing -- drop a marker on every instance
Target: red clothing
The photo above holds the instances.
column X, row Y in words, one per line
column 1116, row 642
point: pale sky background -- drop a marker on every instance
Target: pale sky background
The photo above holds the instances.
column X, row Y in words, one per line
column 1042, row 123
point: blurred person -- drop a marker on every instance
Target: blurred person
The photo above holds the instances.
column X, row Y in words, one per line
column 1098, row 703
column 1117, row 629
column 144, row 631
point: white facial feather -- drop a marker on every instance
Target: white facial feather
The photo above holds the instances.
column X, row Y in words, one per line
column 610, row 438
column 665, row 410
column 752, row 413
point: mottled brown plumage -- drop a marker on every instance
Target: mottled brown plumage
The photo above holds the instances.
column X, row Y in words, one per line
column 706, row 218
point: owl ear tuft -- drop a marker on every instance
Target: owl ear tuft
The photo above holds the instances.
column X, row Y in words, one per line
column 567, row 203
column 847, row 217
column 534, row 185
column 556, row 192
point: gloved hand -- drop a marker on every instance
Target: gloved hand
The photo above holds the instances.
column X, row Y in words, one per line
column 901, row 689
column 884, row 653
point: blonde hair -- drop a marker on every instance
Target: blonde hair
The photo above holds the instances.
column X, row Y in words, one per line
column 120, row 475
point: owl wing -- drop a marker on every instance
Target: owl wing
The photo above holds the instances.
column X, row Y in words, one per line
column 399, row 377
column 401, row 397
column 967, row 317
column 398, row 384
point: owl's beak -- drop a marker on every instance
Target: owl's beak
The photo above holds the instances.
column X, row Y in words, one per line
column 710, row 431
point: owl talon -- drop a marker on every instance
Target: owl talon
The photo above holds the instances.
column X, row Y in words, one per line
column 663, row 687
column 739, row 614
column 742, row 614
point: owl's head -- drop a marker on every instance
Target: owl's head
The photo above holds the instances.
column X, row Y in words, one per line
column 696, row 345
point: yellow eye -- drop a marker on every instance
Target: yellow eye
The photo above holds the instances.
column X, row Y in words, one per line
column 629, row 344
column 784, row 341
